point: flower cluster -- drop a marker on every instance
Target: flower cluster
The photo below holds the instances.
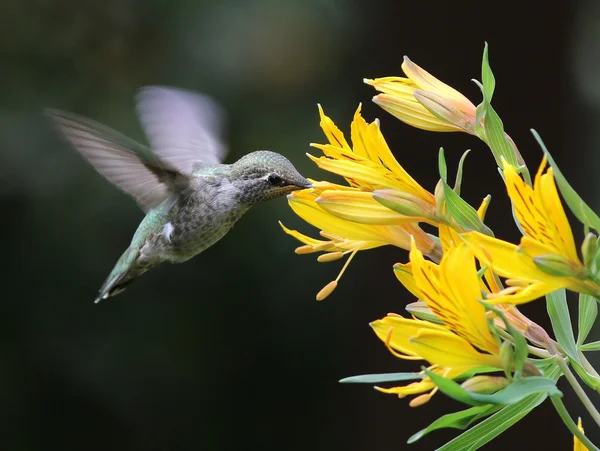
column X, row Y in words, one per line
column 466, row 283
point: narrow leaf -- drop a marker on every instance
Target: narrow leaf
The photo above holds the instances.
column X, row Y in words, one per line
column 442, row 165
column 588, row 311
column 459, row 173
column 456, row 420
column 487, row 76
column 592, row 346
column 461, row 212
column 496, row 139
column 558, row 310
column 379, row 378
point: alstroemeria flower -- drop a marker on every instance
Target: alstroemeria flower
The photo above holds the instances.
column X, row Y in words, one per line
column 348, row 216
column 424, row 102
column 546, row 258
column 463, row 343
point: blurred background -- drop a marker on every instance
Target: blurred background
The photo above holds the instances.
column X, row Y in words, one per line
column 230, row 351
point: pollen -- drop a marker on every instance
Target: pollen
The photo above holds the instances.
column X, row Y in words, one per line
column 330, row 257
column 327, row 290
column 306, row 249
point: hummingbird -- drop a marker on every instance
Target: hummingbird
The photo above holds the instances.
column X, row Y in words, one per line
column 191, row 199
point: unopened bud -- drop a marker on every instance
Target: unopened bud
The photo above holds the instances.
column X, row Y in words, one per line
column 482, row 210
column 529, row 369
column 327, row 290
column 440, row 197
column 404, row 203
column 485, row 384
column 507, row 357
column 557, row 265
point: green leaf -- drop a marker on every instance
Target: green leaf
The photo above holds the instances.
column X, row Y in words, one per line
column 495, row 425
column 588, row 311
column 592, row 346
column 558, row 310
column 382, row 377
column 496, row 139
column 456, row 420
column 487, row 76
column 461, row 212
column 459, row 173
column 512, row 394
column 442, row 165
column 579, row 208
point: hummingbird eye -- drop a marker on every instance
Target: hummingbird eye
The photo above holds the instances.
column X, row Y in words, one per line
column 276, row 180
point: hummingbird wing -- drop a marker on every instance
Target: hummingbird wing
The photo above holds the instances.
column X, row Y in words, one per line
column 183, row 127
column 124, row 162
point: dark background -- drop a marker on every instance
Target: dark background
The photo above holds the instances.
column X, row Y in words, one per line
column 230, row 351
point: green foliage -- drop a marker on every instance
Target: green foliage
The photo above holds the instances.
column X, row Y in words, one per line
column 457, row 209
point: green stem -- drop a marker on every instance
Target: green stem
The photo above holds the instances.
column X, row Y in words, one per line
column 564, row 415
column 578, row 389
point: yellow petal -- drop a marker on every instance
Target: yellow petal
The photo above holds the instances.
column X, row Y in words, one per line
column 427, row 82
column 503, row 258
column 577, row 445
column 366, row 176
column 404, row 274
column 333, row 134
column 449, row 350
column 396, row 332
column 460, row 292
column 562, row 230
column 413, row 113
column 299, row 236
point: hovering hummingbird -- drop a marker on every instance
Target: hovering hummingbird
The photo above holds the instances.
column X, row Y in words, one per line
column 191, row 200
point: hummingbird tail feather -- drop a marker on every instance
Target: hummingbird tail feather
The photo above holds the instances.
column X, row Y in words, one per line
column 122, row 275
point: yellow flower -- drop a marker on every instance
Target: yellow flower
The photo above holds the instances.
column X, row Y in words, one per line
column 577, row 445
column 463, row 343
column 367, row 165
column 423, row 101
column 349, row 218
column 546, row 258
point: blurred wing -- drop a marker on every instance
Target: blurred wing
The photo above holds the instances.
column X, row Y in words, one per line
column 121, row 160
column 183, row 127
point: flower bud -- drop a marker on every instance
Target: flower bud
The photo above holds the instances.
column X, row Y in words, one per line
column 507, row 357
column 440, row 197
column 485, row 384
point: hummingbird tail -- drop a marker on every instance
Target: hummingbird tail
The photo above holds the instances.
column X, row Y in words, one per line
column 122, row 275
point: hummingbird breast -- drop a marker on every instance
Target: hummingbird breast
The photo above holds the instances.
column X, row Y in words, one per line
column 201, row 216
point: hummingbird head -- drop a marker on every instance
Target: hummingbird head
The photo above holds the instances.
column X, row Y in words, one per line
column 265, row 175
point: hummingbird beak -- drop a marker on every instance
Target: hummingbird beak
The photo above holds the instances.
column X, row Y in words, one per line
column 305, row 184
